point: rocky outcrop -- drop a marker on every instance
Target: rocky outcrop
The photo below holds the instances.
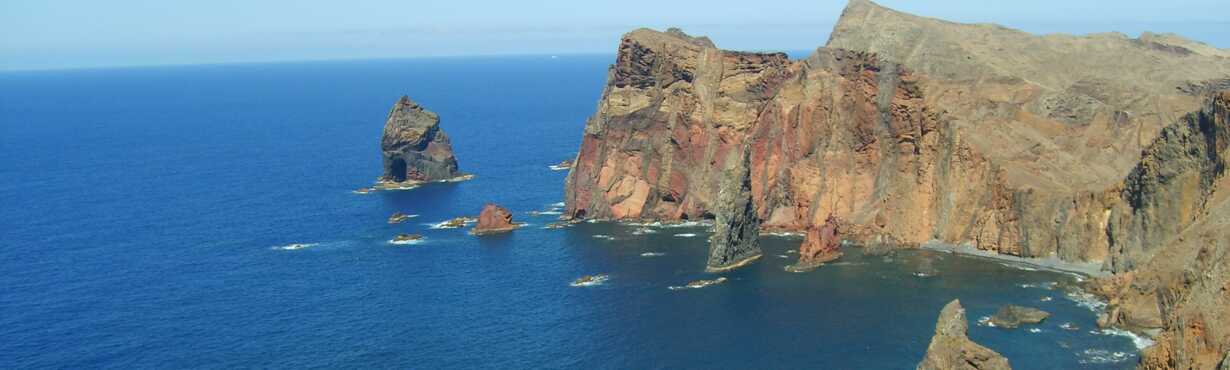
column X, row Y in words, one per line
column 1012, row 316
column 821, row 245
column 1093, row 149
column 414, row 147
column 736, row 231
column 494, row 219
column 951, row 349
column 993, row 158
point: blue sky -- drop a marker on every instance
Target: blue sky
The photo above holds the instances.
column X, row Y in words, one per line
column 47, row 34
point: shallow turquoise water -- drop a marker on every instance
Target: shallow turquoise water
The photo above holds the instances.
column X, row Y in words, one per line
column 143, row 211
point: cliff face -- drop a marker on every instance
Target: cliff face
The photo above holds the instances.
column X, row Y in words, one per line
column 1099, row 149
column 950, row 348
column 1179, row 194
column 414, row 147
column 989, row 158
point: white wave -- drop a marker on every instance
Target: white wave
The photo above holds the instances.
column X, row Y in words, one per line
column 556, row 167
column 552, row 212
column 603, row 236
column 667, row 224
column 1101, row 356
column 1045, row 299
column 1048, row 285
column 1139, row 341
column 407, row 242
column 685, row 235
column 1035, row 330
column 594, row 280
column 294, row 246
column 923, row 274
column 783, row 234
column 986, row 321
column 643, row 231
column 652, row 254
column 782, row 256
column 557, row 205
column 1068, row 326
column 1086, row 300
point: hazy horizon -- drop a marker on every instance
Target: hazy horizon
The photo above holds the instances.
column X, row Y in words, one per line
column 72, row 34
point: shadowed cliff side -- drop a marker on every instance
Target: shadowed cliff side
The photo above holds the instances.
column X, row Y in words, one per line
column 735, row 241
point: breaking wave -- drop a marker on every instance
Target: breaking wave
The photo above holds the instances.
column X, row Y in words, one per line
column 294, row 246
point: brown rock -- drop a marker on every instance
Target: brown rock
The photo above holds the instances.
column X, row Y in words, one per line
column 398, row 217
column 1012, row 316
column 820, row 245
column 951, row 349
column 414, row 147
column 494, row 219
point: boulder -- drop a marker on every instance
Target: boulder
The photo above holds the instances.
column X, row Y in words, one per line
column 493, row 219
column 1013, row 316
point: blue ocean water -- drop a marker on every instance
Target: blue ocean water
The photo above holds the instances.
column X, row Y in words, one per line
column 143, row 211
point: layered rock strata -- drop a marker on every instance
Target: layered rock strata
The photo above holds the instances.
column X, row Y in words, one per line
column 1093, row 149
column 414, row 148
column 493, row 219
column 950, row 348
column 735, row 241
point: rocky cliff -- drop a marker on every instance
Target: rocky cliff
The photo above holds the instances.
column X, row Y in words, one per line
column 1098, row 149
column 414, row 148
column 903, row 156
column 950, row 348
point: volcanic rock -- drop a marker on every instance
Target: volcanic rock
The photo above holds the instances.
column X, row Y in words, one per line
column 494, row 219
column 415, row 149
column 820, row 245
column 735, row 241
column 1092, row 149
column 1012, row 316
column 951, row 349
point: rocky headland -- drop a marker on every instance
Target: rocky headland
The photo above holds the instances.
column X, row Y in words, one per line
column 950, row 348
column 1099, row 149
column 415, row 149
column 494, row 219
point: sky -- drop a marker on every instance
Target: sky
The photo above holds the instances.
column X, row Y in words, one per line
column 55, row 34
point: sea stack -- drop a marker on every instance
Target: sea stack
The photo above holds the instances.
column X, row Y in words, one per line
column 951, row 349
column 822, row 244
column 493, row 219
column 736, row 229
column 414, row 147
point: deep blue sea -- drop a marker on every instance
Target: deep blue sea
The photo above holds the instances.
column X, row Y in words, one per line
column 142, row 213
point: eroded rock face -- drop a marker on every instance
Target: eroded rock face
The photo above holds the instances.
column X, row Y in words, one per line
column 736, row 231
column 415, row 149
column 951, row 349
column 821, row 244
column 903, row 158
column 493, row 219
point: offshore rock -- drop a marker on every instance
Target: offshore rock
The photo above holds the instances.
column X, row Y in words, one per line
column 493, row 219
column 820, row 245
column 735, row 241
column 951, row 349
column 1012, row 316
column 414, row 147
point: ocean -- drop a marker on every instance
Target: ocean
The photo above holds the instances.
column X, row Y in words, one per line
column 146, row 215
